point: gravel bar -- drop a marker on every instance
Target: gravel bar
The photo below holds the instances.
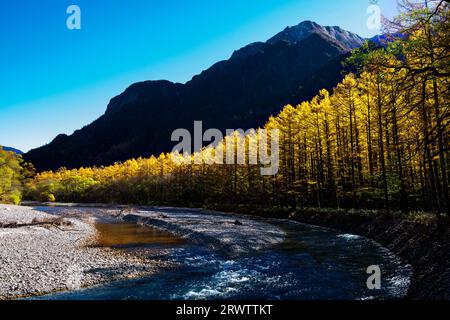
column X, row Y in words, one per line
column 35, row 260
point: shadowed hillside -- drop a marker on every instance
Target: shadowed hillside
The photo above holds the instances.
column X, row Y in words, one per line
column 242, row 92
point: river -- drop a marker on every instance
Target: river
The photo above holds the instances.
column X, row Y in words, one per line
column 309, row 263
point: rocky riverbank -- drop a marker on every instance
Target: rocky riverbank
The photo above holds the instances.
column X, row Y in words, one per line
column 43, row 258
column 234, row 234
column 423, row 244
column 426, row 246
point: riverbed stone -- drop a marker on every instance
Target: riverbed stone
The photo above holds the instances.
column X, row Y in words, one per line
column 37, row 260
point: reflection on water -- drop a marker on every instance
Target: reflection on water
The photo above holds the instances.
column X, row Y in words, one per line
column 124, row 235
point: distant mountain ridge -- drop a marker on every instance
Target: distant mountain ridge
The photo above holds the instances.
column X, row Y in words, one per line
column 11, row 149
column 242, row 92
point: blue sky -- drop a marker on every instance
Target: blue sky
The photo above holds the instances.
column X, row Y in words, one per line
column 55, row 80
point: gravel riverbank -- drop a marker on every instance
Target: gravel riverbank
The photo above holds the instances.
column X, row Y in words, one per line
column 41, row 259
column 234, row 234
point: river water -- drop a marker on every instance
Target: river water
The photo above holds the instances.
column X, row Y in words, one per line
column 311, row 263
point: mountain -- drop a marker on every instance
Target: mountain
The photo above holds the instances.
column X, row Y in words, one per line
column 383, row 40
column 241, row 92
column 11, row 150
column 340, row 37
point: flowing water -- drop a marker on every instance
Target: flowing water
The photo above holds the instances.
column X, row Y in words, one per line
column 311, row 263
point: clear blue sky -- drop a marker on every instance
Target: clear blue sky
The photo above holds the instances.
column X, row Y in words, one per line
column 54, row 80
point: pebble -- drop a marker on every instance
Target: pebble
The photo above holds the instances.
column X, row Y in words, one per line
column 36, row 260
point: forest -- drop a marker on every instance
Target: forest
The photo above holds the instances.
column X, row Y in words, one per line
column 380, row 140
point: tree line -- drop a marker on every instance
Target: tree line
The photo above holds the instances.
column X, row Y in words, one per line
column 379, row 140
column 13, row 173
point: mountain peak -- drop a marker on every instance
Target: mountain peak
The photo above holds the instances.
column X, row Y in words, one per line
column 306, row 28
column 308, row 24
column 241, row 92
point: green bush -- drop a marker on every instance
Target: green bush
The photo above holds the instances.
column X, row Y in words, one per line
column 50, row 197
column 11, row 177
column 13, row 198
